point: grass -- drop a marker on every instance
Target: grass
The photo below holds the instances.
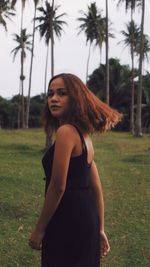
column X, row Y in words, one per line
column 124, row 167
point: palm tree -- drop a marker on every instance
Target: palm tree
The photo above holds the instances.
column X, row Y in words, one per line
column 131, row 4
column 146, row 47
column 93, row 25
column 138, row 125
column 31, row 65
column 23, row 44
column 107, row 56
column 13, row 4
column 131, row 37
column 6, row 11
column 50, row 24
column 23, row 2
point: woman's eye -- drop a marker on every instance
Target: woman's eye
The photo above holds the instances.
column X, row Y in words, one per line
column 59, row 92
column 62, row 93
column 50, row 94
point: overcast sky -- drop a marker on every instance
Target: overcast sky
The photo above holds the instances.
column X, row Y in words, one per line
column 70, row 51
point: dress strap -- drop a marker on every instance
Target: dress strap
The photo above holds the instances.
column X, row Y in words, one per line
column 84, row 147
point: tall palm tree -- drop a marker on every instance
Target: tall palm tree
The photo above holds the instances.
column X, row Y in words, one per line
column 31, row 65
column 23, row 2
column 138, row 123
column 131, row 4
column 13, row 4
column 131, row 37
column 6, row 11
column 107, row 56
column 93, row 25
column 50, row 24
column 23, row 44
column 146, row 47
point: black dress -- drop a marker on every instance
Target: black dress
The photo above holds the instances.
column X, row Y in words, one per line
column 72, row 236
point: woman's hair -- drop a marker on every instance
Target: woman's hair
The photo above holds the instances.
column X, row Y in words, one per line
column 87, row 111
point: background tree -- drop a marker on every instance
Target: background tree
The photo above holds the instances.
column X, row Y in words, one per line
column 131, row 37
column 132, row 31
column 138, row 123
column 93, row 25
column 146, row 47
column 23, row 44
column 37, row 103
column 119, row 87
column 50, row 24
column 31, row 65
column 6, row 12
column 21, row 107
column 146, row 107
column 23, row 2
column 107, row 55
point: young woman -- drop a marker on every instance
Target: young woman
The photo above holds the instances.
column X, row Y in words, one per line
column 70, row 230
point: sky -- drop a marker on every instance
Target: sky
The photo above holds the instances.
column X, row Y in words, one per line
column 71, row 51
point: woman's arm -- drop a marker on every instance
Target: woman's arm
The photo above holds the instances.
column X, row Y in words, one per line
column 98, row 194
column 64, row 145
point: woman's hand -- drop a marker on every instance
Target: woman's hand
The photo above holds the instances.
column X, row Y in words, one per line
column 104, row 244
column 35, row 240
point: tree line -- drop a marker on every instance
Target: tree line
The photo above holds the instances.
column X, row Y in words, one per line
column 120, row 98
column 97, row 28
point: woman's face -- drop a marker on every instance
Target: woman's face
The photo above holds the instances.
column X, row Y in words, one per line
column 58, row 99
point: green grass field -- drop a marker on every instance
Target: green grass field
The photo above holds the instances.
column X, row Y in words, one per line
column 124, row 167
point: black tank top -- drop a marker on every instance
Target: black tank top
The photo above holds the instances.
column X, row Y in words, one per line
column 79, row 169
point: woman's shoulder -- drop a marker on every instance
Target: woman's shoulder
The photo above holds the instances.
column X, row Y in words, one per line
column 66, row 128
column 66, row 131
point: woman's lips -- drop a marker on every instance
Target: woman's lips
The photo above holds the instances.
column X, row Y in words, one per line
column 55, row 107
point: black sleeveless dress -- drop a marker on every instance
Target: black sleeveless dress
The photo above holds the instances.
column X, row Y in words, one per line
column 72, row 235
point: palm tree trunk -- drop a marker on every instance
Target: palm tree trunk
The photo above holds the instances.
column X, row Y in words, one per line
column 30, row 74
column 22, row 91
column 48, row 139
column 22, row 76
column 46, row 65
column 21, row 26
column 132, row 97
column 52, row 42
column 138, row 131
column 132, row 78
column 87, row 66
column 19, row 106
column 107, row 59
column 52, row 54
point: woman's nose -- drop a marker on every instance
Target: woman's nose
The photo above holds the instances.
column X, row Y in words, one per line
column 54, row 97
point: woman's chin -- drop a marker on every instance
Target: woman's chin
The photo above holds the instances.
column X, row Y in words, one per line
column 56, row 115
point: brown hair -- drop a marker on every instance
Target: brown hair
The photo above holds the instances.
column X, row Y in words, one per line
column 87, row 111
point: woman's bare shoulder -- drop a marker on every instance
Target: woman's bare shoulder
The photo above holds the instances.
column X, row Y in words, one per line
column 65, row 132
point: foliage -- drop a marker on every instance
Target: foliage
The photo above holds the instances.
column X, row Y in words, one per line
column 9, row 111
column 120, row 88
column 120, row 97
column 23, row 43
column 49, row 20
column 146, row 108
column 6, row 12
column 131, row 35
column 93, row 24
column 146, row 46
